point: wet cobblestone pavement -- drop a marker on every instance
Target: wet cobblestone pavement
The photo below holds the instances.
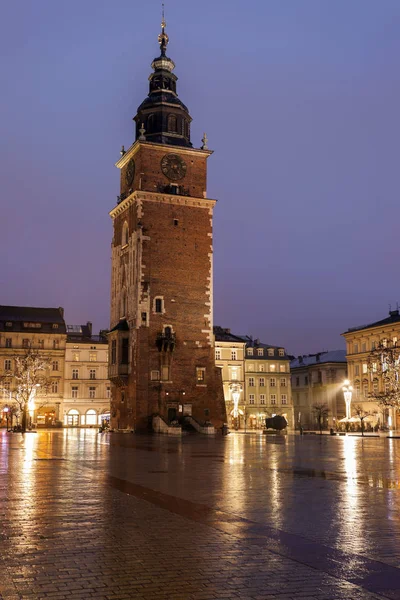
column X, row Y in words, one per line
column 115, row 517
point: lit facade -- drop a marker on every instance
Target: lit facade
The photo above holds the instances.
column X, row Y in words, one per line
column 318, row 379
column 43, row 330
column 267, row 384
column 86, row 385
column 360, row 342
column 229, row 357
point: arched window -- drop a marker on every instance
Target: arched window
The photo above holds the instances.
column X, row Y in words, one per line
column 91, row 417
column 172, row 124
column 125, row 234
column 150, row 124
column 168, row 332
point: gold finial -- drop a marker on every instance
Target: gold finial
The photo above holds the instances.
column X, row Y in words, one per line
column 163, row 38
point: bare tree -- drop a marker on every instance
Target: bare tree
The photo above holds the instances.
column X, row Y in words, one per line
column 321, row 412
column 362, row 414
column 384, row 366
column 28, row 382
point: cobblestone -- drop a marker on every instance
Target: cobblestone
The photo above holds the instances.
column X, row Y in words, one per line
column 145, row 518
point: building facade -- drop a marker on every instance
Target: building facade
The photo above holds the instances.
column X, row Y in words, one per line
column 360, row 342
column 267, row 384
column 229, row 358
column 87, row 392
column 43, row 330
column 161, row 340
column 318, row 379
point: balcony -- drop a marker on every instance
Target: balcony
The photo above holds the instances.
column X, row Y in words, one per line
column 166, row 341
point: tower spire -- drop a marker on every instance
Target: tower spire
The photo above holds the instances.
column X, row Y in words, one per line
column 163, row 38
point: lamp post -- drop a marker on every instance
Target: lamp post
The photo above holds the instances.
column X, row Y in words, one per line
column 347, row 393
column 6, row 410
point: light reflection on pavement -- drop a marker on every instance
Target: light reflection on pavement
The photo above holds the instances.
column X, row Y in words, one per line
column 88, row 515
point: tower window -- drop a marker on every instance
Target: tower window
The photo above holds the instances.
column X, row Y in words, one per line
column 158, row 305
column 172, row 124
column 125, row 234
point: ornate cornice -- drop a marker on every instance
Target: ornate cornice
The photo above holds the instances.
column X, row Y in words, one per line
column 141, row 196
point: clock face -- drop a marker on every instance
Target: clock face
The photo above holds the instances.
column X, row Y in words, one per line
column 173, row 167
column 130, row 172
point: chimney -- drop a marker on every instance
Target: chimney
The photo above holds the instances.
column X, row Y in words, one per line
column 394, row 313
column 257, row 342
column 61, row 311
column 227, row 331
column 300, row 359
column 317, row 357
column 89, row 326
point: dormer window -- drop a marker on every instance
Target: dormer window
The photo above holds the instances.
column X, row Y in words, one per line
column 250, row 351
column 271, row 352
column 260, row 352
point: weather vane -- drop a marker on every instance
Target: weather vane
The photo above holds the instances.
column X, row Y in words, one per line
column 163, row 38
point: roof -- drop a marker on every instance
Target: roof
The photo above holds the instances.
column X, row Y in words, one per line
column 394, row 317
column 308, row 360
column 83, row 334
column 20, row 317
column 225, row 335
column 121, row 326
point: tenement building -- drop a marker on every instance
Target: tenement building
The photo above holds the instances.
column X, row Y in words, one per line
column 317, row 379
column 229, row 357
column 161, row 339
column 267, row 383
column 42, row 330
column 86, row 385
column 365, row 372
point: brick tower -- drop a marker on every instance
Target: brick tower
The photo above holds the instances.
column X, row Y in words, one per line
column 161, row 358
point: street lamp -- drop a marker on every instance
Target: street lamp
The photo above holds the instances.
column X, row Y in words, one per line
column 347, row 393
column 6, row 410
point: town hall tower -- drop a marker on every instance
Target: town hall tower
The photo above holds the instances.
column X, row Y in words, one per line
column 161, row 359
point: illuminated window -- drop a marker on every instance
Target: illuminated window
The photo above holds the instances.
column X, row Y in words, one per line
column 250, row 351
column 75, row 374
column 261, row 368
column 365, row 368
column 284, row 399
column 251, row 382
column 233, row 354
column 8, row 343
column 251, row 398
column 55, row 326
column 374, row 367
column 394, row 341
column 217, row 353
column 200, row 374
column 282, row 369
column 260, row 352
column 262, row 398
column 7, row 365
column 273, row 398
column 261, row 382
column 92, row 392
column 55, row 365
column 234, row 374
column 54, row 387
column 155, row 375
column 74, row 391
column 272, row 382
column 283, row 382
column 75, row 356
column 92, row 356
column 272, row 368
column 91, row 417
column 92, row 373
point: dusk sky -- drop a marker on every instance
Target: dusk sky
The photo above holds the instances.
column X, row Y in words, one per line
column 300, row 100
